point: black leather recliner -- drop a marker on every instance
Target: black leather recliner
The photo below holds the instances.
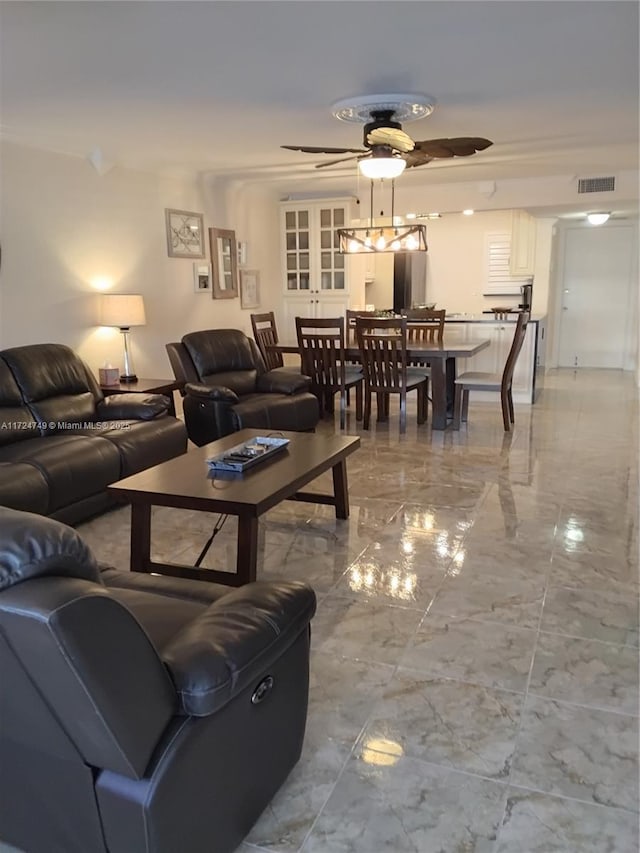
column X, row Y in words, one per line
column 140, row 714
column 227, row 387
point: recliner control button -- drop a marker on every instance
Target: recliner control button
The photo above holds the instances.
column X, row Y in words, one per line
column 262, row 690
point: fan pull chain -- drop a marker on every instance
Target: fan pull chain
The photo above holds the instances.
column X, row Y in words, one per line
column 371, row 207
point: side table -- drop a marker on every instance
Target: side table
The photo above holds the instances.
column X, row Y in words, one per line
column 146, row 386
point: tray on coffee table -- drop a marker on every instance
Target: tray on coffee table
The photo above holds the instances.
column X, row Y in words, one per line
column 242, row 456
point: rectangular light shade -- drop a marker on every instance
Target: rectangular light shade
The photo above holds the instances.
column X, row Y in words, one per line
column 382, row 238
column 122, row 310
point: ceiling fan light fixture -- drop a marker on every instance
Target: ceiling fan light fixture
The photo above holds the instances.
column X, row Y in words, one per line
column 597, row 218
column 382, row 167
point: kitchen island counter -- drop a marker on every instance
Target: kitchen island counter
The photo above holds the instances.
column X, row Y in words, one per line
column 491, row 319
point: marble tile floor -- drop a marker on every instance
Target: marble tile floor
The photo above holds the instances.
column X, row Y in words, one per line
column 474, row 669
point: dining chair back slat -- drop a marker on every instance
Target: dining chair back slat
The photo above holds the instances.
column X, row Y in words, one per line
column 514, row 351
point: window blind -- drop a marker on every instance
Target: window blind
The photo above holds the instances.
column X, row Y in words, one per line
column 498, row 277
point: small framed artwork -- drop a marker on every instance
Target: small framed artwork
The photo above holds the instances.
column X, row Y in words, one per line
column 202, row 278
column 249, row 289
column 185, row 234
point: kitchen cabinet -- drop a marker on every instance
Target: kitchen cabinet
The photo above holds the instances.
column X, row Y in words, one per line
column 309, row 305
column 315, row 274
column 523, row 243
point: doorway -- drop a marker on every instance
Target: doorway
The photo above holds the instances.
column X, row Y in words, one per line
column 596, row 302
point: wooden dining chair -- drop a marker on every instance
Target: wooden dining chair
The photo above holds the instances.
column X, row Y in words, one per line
column 476, row 381
column 383, row 352
column 321, row 342
column 265, row 334
column 351, row 315
column 425, row 324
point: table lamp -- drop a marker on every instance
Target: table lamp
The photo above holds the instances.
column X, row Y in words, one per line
column 123, row 310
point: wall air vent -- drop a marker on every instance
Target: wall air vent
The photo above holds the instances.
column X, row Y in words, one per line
column 596, row 185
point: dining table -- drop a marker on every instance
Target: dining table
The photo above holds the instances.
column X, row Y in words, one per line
column 439, row 355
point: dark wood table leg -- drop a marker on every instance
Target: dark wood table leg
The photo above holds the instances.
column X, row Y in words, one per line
column 438, row 394
column 341, row 489
column 140, row 559
column 247, row 559
column 450, row 382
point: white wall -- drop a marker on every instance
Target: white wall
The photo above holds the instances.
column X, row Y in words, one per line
column 254, row 213
column 64, row 226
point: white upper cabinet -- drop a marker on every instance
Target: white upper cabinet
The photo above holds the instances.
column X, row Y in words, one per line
column 311, row 260
column 523, row 243
column 315, row 274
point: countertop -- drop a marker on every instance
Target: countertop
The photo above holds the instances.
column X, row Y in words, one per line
column 489, row 318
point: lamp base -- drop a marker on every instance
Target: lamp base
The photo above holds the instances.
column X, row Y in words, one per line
column 128, row 378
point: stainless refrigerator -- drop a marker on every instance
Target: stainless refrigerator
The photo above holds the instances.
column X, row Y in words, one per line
column 409, row 280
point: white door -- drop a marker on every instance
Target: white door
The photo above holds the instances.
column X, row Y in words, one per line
column 596, row 290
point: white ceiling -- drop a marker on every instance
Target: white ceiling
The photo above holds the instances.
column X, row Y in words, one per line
column 217, row 87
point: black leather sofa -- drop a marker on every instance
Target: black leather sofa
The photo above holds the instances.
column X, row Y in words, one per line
column 140, row 714
column 227, row 387
column 62, row 442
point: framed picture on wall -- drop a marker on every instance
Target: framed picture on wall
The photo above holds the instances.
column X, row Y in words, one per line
column 202, row 277
column 224, row 258
column 249, row 289
column 185, row 234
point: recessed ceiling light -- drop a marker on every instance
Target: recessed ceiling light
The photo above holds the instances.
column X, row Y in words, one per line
column 468, row 212
column 411, row 215
column 597, row 218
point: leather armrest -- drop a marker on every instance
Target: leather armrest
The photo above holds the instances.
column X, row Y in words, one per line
column 280, row 382
column 211, row 392
column 235, row 641
column 140, row 407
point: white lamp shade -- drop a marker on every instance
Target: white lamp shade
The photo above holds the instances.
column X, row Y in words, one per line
column 382, row 167
column 122, row 310
column 597, row 218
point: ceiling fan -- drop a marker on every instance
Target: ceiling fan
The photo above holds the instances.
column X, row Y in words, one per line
column 384, row 138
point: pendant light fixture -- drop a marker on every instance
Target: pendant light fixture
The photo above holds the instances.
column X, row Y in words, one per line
column 382, row 238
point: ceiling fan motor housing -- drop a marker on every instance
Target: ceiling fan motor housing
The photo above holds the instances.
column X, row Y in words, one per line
column 380, row 118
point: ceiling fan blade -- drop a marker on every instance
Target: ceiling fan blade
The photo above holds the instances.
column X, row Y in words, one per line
column 323, row 149
column 391, row 136
column 416, row 158
column 461, row 146
column 341, row 160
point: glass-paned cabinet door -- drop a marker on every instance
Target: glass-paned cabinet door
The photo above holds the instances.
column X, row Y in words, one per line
column 297, row 249
column 331, row 261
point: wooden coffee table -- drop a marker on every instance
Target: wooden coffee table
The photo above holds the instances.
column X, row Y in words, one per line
column 187, row 483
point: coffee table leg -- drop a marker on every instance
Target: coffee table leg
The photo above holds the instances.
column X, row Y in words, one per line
column 247, row 559
column 140, row 537
column 340, row 489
